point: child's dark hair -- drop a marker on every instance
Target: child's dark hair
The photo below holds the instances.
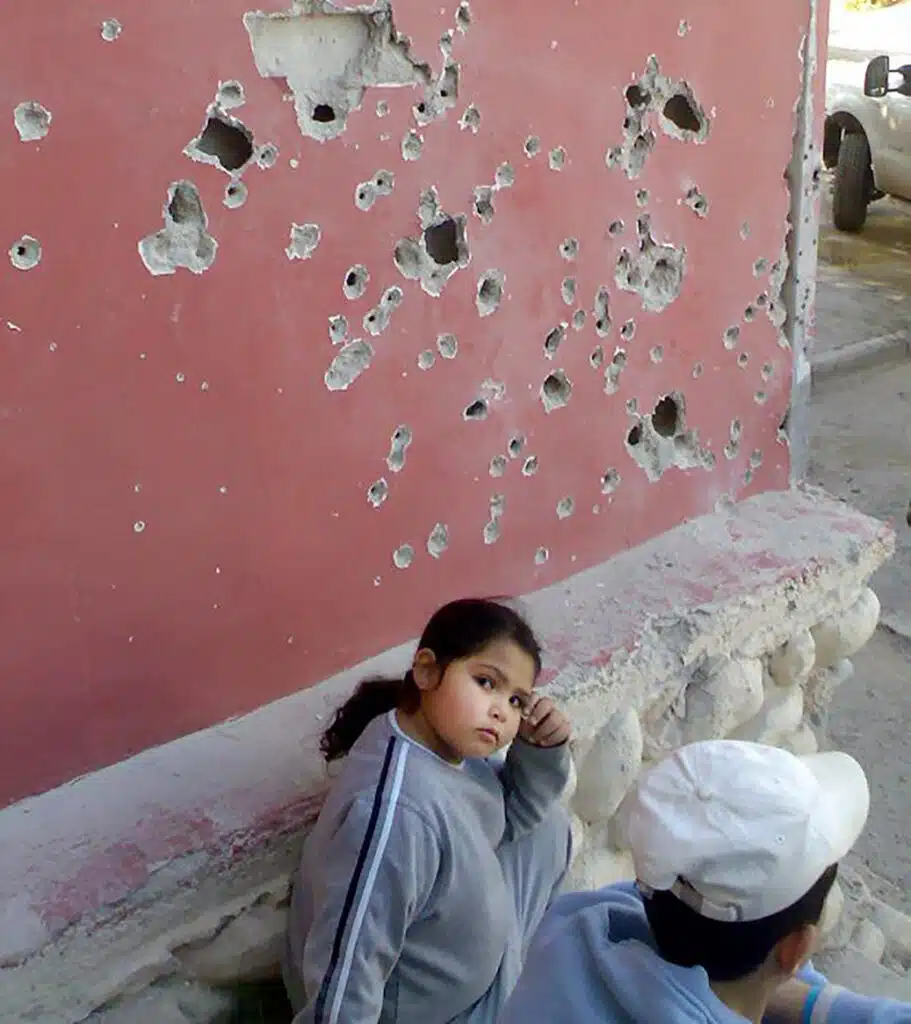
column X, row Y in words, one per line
column 725, row 950
column 458, row 630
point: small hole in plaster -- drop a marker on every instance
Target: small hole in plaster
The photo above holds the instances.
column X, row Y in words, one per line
column 356, row 281
column 683, row 28
column 338, row 328
column 401, row 441
column 762, row 300
column 749, row 314
column 556, row 391
column 323, row 113
column 642, row 197
column 515, row 446
column 412, row 145
column 601, row 312
column 760, row 398
column 760, row 267
column 378, row 492
column 483, row 203
column 767, row 370
column 25, row 254
column 498, row 465
column 476, row 411
column 463, row 17
column 578, row 320
column 530, row 466
column 505, row 176
column 557, row 159
column 697, row 202
column 596, row 359
column 698, row 370
column 490, row 292
column 32, row 121
column 657, row 354
column 227, row 142
column 615, row 228
column 569, row 249
column 611, row 479
column 235, row 195
column 541, row 556
column 111, row 29
column 139, row 526
column 442, row 242
column 403, row 556
column 382, row 108
column 447, row 346
column 470, row 119
column 680, row 111
column 742, row 360
column 266, row 156
column 637, row 97
column 568, row 290
column 303, row 241
column 230, row 94
column 565, row 508
column 628, row 330
column 667, row 418
column 632, row 406
column 634, row 437
column 554, row 340
column 532, row 146
column 438, row 540
column 731, row 337
column 426, row 359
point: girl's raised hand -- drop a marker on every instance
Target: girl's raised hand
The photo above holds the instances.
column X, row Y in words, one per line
column 544, row 725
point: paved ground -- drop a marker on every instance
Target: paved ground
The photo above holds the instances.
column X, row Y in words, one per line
column 861, row 451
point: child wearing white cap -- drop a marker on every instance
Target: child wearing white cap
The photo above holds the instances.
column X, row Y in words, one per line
column 736, row 848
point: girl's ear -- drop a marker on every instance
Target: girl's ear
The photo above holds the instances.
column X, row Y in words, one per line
column 425, row 669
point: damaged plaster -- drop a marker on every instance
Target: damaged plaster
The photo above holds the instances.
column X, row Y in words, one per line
column 32, row 121
column 660, row 441
column 439, row 251
column 329, row 58
column 654, row 271
column 183, row 242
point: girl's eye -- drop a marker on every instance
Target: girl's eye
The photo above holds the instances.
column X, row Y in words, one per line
column 485, row 682
column 519, row 702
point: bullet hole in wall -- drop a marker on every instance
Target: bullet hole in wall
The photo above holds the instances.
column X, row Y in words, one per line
column 442, row 241
column 478, row 410
column 637, row 97
column 25, row 253
column 323, row 113
column 398, row 448
column 557, row 159
column 681, row 110
column 666, row 417
column 110, row 30
column 554, row 340
column 378, row 492
column 530, row 466
column 515, row 446
column 556, row 391
column 565, row 507
column 532, row 146
column 483, row 203
column 569, row 249
column 471, row 119
column 350, row 362
column 356, row 280
column 224, row 141
column 490, row 292
column 184, row 241
column 447, row 346
column 403, row 556
column 32, row 121
column 731, row 337
column 601, row 312
column 541, row 556
column 610, row 481
column 235, row 195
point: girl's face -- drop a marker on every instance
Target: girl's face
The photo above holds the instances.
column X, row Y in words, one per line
column 475, row 707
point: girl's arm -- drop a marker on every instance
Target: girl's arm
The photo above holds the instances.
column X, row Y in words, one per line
column 537, row 768
column 379, row 869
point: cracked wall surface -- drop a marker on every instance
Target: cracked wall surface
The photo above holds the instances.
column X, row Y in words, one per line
column 568, row 307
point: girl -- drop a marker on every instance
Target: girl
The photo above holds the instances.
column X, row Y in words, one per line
column 432, row 862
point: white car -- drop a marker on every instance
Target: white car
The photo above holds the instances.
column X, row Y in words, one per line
column 867, row 135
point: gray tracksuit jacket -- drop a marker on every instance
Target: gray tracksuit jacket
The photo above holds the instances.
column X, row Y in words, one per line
column 400, row 909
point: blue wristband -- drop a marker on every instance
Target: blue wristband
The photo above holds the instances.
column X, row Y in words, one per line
column 809, row 1006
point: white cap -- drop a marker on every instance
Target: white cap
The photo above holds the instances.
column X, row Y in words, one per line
column 740, row 831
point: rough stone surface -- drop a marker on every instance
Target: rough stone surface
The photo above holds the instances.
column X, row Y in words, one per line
column 610, row 766
column 173, row 1002
column 838, row 638
column 247, row 949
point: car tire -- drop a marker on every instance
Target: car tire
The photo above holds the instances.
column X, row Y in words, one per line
column 853, row 183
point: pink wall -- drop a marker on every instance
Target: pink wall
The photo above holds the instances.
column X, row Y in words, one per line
column 186, row 529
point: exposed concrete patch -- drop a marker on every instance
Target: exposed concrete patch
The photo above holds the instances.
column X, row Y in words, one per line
column 32, row 121
column 330, row 57
column 183, row 242
column 660, row 441
column 440, row 250
column 654, row 271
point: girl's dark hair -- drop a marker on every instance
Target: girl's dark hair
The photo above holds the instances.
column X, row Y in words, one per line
column 458, row 630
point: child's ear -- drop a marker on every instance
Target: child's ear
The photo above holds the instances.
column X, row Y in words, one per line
column 425, row 669
column 795, row 949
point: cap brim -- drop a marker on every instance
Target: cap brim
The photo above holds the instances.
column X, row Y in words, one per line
column 847, row 793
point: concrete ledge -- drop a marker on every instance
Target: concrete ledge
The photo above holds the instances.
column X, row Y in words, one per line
column 109, row 880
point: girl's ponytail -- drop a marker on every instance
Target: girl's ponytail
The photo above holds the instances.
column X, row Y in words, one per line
column 458, row 630
column 372, row 698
